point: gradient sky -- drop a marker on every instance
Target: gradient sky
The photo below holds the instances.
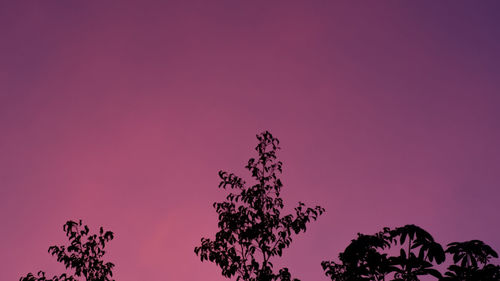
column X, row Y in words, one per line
column 121, row 113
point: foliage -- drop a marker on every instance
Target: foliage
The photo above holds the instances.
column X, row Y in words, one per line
column 470, row 260
column 252, row 229
column 361, row 260
column 84, row 255
column 368, row 258
column 408, row 266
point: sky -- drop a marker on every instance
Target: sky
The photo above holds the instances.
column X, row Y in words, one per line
column 121, row 113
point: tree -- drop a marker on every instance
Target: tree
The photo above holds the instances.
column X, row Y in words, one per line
column 252, row 230
column 367, row 258
column 361, row 260
column 84, row 255
column 408, row 266
column 471, row 262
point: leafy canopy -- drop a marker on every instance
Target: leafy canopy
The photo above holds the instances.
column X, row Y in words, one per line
column 471, row 262
column 252, row 228
column 84, row 255
column 371, row 258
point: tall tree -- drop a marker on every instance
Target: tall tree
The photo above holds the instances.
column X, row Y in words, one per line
column 252, row 229
column 84, row 255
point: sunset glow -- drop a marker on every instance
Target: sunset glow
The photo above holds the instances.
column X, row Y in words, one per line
column 121, row 113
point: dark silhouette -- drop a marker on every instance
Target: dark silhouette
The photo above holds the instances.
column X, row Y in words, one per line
column 471, row 260
column 83, row 255
column 252, row 229
column 367, row 258
column 252, row 232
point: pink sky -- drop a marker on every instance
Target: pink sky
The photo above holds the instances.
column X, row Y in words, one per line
column 122, row 114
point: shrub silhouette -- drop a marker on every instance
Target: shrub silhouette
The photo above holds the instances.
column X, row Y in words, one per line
column 84, row 255
column 252, row 230
column 367, row 258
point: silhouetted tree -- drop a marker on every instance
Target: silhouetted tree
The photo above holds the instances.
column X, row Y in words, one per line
column 252, row 229
column 84, row 255
column 361, row 260
column 408, row 266
column 471, row 262
column 367, row 258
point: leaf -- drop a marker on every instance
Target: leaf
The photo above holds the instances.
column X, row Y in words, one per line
column 402, row 254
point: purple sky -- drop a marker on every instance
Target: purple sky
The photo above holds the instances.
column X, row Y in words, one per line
column 122, row 112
